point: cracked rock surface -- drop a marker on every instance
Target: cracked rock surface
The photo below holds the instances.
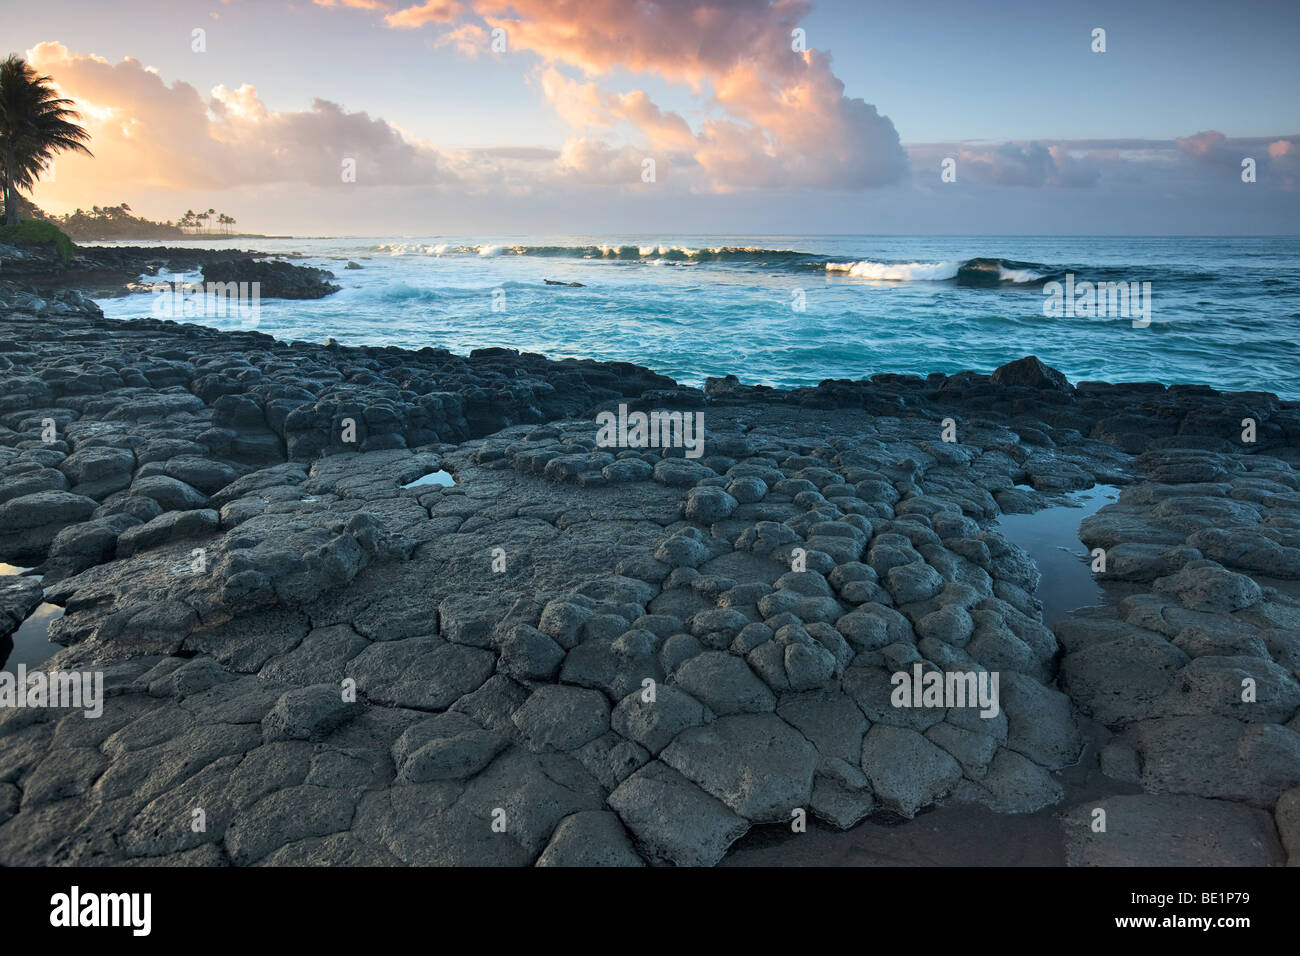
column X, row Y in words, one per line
column 611, row 656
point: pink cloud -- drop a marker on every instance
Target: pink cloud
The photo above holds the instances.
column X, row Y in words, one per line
column 469, row 39
column 785, row 119
column 357, row 4
column 147, row 132
column 432, row 11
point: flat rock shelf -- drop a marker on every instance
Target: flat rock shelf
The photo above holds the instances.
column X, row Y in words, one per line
column 621, row 656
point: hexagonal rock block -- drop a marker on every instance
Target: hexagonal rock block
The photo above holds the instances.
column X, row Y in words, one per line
column 1013, row 784
column 309, row 713
column 1217, row 757
column 448, row 746
column 808, row 666
column 31, row 482
column 1154, row 830
column 627, row 469
column 747, row 489
column 420, row 672
column 561, row 717
column 673, row 820
column 1123, row 680
column 766, row 537
column 194, row 677
column 830, row 720
column 469, row 618
column 29, row 523
column 707, row 505
column 756, row 764
column 528, row 654
column 972, row 749
column 1213, row 685
column 1287, row 816
column 1135, row 561
column 682, row 551
column 617, row 589
column 1249, row 551
column 1208, row 586
column 99, row 471
column 654, row 724
column 284, row 816
column 563, row 621
column 1040, row 722
column 841, row 794
column 206, row 475
column 167, row 527
column 723, row 621
column 724, row 683
column 171, row 494
column 907, row 771
column 679, row 473
column 590, row 838
column 913, row 582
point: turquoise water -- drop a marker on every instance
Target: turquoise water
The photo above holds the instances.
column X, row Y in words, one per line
column 1225, row 311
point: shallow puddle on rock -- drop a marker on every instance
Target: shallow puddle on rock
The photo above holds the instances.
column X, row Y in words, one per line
column 442, row 478
column 1051, row 537
column 30, row 644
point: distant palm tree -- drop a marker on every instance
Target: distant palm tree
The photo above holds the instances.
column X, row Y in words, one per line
column 35, row 123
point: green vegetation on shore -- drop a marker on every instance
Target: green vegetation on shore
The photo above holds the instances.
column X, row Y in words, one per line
column 34, row 233
column 118, row 222
column 112, row 222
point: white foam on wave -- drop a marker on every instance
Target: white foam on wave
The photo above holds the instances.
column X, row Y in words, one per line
column 1018, row 275
column 897, row 271
column 413, row 249
column 489, row 251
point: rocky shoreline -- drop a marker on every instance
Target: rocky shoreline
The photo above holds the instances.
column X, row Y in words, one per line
column 34, row 277
column 225, row 521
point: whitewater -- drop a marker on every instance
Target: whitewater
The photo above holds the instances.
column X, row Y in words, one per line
column 795, row 310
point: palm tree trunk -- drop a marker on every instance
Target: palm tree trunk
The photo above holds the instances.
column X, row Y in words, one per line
column 11, row 202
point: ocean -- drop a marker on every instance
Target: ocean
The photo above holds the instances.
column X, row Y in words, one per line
column 795, row 310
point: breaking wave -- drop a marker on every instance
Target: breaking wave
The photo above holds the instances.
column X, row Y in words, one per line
column 973, row 272
column 966, row 272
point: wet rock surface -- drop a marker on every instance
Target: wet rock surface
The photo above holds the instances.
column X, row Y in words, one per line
column 276, row 280
column 582, row 655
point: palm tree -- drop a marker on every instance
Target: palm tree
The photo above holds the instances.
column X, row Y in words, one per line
column 35, row 123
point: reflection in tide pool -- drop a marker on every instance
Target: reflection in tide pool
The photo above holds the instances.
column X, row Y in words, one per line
column 30, row 644
column 1051, row 537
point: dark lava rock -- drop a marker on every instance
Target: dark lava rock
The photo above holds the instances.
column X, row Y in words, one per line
column 1029, row 372
column 279, row 280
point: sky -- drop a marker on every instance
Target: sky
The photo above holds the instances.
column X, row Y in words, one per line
column 728, row 117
